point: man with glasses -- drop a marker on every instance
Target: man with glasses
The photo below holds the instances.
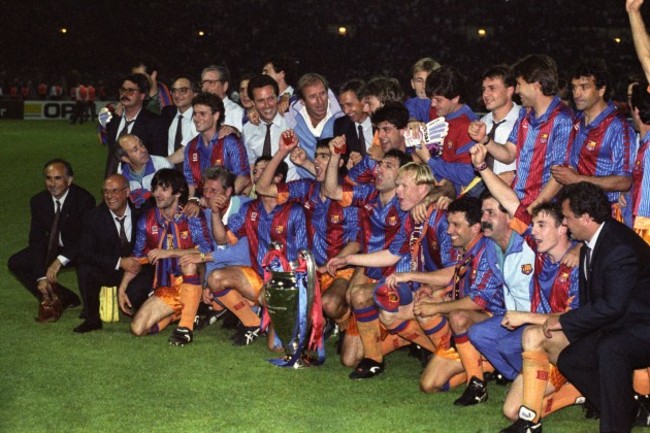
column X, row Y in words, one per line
column 215, row 79
column 178, row 118
column 134, row 120
column 107, row 241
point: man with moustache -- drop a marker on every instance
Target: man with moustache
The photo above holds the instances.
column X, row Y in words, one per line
column 56, row 216
column 107, row 241
column 135, row 119
column 262, row 139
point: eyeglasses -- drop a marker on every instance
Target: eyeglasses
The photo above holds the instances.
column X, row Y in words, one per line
column 211, row 82
column 113, row 191
column 126, row 91
column 179, row 90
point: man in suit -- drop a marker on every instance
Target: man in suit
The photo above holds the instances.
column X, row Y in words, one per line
column 608, row 336
column 355, row 125
column 54, row 234
column 177, row 119
column 135, row 119
column 106, row 244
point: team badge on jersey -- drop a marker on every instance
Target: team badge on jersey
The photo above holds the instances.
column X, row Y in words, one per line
column 195, row 157
column 218, row 162
column 392, row 220
column 591, row 145
column 526, row 269
column 433, row 245
column 184, row 234
column 307, row 205
column 279, row 230
column 335, row 219
column 450, row 144
column 253, row 216
column 543, row 138
column 564, row 276
column 154, row 230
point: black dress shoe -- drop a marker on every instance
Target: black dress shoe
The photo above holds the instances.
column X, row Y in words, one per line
column 88, row 327
column 71, row 303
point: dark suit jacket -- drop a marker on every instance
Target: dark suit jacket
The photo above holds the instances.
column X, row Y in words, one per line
column 617, row 292
column 148, row 127
column 344, row 126
column 100, row 240
column 77, row 203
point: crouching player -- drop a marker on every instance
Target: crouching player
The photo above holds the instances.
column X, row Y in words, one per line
column 163, row 237
column 262, row 221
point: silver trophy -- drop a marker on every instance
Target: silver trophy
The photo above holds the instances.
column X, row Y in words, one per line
column 289, row 297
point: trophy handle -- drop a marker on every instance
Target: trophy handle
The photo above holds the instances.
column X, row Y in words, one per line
column 310, row 263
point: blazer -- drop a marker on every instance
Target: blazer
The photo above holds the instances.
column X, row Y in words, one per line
column 617, row 292
column 148, row 127
column 345, row 126
column 77, row 203
column 100, row 240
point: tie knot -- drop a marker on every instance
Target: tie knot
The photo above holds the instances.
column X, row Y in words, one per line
column 268, row 125
column 58, row 205
column 120, row 220
column 180, row 117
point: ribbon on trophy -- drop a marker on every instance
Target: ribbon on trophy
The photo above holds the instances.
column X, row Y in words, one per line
column 292, row 302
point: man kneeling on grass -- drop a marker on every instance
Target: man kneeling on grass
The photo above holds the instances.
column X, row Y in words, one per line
column 165, row 235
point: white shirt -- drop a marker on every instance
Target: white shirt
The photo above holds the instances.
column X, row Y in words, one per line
column 501, row 135
column 128, row 226
column 123, row 124
column 318, row 129
column 187, row 127
column 254, row 136
column 366, row 127
column 234, row 114
column 63, row 259
column 591, row 245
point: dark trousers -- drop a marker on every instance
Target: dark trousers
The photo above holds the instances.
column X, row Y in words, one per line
column 91, row 279
column 601, row 366
column 20, row 264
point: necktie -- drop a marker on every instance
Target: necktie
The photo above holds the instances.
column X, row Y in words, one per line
column 362, row 140
column 266, row 151
column 124, row 241
column 53, row 240
column 178, row 139
column 493, row 130
column 587, row 261
column 125, row 130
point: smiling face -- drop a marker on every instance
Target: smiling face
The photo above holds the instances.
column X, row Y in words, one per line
column 577, row 224
column 547, row 232
column 266, row 103
column 116, row 192
column 182, row 93
column 352, row 107
column 165, row 199
column 444, row 106
column 390, row 137
column 371, row 103
column 204, row 119
column 495, row 93
column 527, row 92
column 245, row 101
column 459, row 230
column 494, row 222
column 57, row 180
column 316, row 101
column 211, row 82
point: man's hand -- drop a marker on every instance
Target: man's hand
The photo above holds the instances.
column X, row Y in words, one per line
column 124, row 301
column 207, row 296
column 130, row 264
column 53, row 271
column 298, row 156
column 190, row 259
column 227, row 130
column 633, row 5
column 551, row 324
column 191, row 209
column 45, row 288
column 335, row 264
column 478, row 152
column 217, row 203
column 423, row 153
column 565, row 175
column 572, row 257
column 395, row 278
column 253, row 116
column 477, row 131
column 288, row 141
column 283, row 103
column 513, row 319
column 353, row 159
column 338, row 145
column 158, row 254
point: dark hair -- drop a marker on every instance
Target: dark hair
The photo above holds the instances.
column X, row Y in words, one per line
column 309, row 79
column 214, row 102
column 325, row 143
column 257, row 81
column 174, row 179
column 593, row 68
column 383, row 88
column 282, row 169
column 354, row 85
column 538, row 68
column 68, row 167
column 641, row 100
column 500, row 71
column 551, row 208
column 586, row 198
column 446, row 81
column 470, row 206
column 139, row 80
column 193, row 85
column 486, row 194
column 402, row 157
column 220, row 173
column 282, row 63
column 394, row 113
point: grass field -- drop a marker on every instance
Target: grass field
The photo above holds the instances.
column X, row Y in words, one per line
column 54, row 380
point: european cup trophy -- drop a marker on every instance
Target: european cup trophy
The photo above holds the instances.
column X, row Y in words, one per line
column 291, row 299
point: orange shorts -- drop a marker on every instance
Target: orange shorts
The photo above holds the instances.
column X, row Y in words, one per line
column 326, row 279
column 617, row 214
column 171, row 295
column 253, row 278
column 642, row 228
